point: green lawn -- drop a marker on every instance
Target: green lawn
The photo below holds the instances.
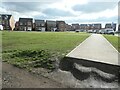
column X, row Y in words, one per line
column 114, row 40
column 21, row 48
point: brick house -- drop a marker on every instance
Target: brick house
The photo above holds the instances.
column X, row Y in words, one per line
column 39, row 25
column 97, row 26
column 17, row 26
column 84, row 27
column 61, row 25
column 68, row 27
column 51, row 25
column 25, row 24
column 75, row 27
column 7, row 21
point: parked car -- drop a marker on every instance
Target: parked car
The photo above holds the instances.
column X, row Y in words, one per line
column 109, row 31
column 101, row 31
column 77, row 30
column 90, row 31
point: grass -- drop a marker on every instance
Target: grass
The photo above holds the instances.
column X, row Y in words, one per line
column 114, row 40
column 23, row 49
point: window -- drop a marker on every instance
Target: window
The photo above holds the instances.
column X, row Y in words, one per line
column 42, row 24
column 21, row 23
column 29, row 23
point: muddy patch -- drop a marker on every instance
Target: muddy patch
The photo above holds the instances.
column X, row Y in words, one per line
column 77, row 73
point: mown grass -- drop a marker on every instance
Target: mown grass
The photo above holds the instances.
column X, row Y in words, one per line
column 23, row 49
column 114, row 40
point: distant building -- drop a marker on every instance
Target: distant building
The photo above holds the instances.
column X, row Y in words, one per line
column 89, row 27
column 39, row 25
column 7, row 21
column 111, row 25
column 108, row 25
column 97, row 26
column 25, row 24
column 75, row 27
column 83, row 26
column 61, row 25
column 17, row 26
column 68, row 27
column 51, row 25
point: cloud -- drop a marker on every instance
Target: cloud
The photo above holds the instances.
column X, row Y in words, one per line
column 23, row 7
column 94, row 7
column 57, row 12
column 69, row 10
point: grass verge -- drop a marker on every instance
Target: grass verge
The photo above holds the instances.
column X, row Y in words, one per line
column 114, row 40
column 38, row 49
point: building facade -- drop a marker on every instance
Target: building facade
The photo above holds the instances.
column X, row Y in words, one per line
column 97, row 26
column 84, row 27
column 39, row 25
column 61, row 26
column 68, row 27
column 25, row 24
column 75, row 27
column 51, row 25
column 7, row 21
column 17, row 26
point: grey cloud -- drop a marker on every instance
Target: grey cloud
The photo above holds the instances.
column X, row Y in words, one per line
column 23, row 7
column 101, row 19
column 57, row 12
column 94, row 7
column 44, row 17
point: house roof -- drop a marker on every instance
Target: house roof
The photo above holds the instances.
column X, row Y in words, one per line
column 25, row 19
column 5, row 16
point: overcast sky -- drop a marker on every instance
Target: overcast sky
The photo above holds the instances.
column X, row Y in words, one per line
column 72, row 11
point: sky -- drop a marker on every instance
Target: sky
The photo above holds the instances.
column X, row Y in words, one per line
column 71, row 11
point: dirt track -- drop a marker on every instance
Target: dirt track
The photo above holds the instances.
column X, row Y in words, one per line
column 17, row 78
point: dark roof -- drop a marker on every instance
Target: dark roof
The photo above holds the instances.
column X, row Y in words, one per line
column 83, row 24
column 24, row 19
column 3, row 16
column 39, row 21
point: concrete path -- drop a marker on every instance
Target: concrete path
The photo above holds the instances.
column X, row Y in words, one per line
column 96, row 48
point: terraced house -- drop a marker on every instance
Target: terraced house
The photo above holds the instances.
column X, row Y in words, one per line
column 61, row 25
column 25, row 24
column 7, row 21
column 51, row 25
column 39, row 25
column 97, row 26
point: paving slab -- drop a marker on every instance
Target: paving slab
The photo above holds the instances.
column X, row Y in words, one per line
column 96, row 48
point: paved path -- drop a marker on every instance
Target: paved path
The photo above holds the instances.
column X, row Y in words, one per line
column 96, row 48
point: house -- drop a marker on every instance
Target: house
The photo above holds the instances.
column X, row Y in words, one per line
column 84, row 27
column 17, row 26
column 7, row 21
column 51, row 25
column 61, row 25
column 97, row 26
column 108, row 25
column 39, row 25
column 75, row 27
column 68, row 27
column 25, row 24
column 89, row 27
